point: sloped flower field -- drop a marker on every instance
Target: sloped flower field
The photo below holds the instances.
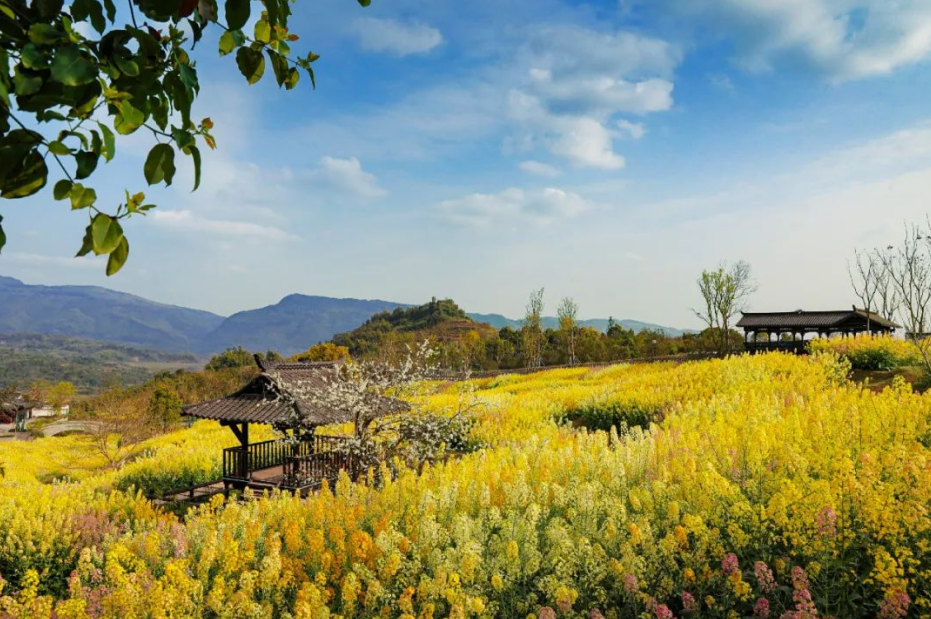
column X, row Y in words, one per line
column 760, row 486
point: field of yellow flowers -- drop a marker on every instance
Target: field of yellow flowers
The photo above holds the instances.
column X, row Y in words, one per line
column 764, row 486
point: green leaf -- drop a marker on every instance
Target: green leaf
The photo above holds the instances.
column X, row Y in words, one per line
column 109, row 141
column 293, row 77
column 71, row 68
column 106, row 232
column 126, row 66
column 195, row 154
column 365, row 2
column 25, row 178
column 87, row 163
column 129, row 119
column 62, row 189
column 263, row 31
column 44, row 34
column 34, row 58
column 58, row 148
column 87, row 245
column 81, row 196
column 160, row 164
column 251, row 64
column 118, row 257
column 2, row 235
column 25, row 84
column 228, row 42
column 237, row 14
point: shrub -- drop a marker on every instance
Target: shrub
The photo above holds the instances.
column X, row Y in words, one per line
column 617, row 415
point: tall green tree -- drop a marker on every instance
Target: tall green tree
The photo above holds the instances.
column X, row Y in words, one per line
column 75, row 77
column 725, row 292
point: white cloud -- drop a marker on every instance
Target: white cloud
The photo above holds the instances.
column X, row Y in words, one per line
column 347, row 176
column 844, row 39
column 634, row 131
column 578, row 80
column 188, row 221
column 539, row 206
column 29, row 259
column 396, row 37
column 538, row 168
column 585, row 142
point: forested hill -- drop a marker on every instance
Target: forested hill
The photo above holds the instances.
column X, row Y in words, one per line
column 438, row 320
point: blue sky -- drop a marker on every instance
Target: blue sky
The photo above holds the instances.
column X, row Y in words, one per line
column 606, row 150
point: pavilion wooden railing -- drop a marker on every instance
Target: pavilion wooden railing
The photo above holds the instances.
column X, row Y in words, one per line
column 239, row 463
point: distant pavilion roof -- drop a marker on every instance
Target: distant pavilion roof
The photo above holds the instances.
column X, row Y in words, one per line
column 273, row 397
column 854, row 319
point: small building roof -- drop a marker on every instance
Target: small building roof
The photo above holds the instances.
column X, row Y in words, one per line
column 834, row 320
column 274, row 397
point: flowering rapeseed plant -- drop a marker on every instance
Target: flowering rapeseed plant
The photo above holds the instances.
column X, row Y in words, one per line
column 766, row 486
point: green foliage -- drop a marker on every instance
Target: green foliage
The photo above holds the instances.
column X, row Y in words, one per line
column 873, row 359
column 608, row 415
column 74, row 72
column 237, row 357
column 165, row 407
column 326, row 351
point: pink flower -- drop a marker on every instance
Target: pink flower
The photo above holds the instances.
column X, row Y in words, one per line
column 895, row 606
column 546, row 613
column 729, row 565
column 799, row 578
column 689, row 604
column 827, row 522
column 630, row 584
column 804, row 606
column 761, row 609
column 764, row 576
column 662, row 612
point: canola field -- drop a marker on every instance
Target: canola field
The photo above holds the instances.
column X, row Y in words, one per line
column 765, row 486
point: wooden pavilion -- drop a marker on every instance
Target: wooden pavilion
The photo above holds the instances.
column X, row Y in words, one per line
column 764, row 331
column 279, row 397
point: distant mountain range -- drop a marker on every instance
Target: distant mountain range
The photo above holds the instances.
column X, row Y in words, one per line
column 101, row 314
column 600, row 324
column 289, row 326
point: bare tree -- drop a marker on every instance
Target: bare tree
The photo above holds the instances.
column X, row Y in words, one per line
column 908, row 267
column 887, row 296
column 725, row 292
column 568, row 313
column 532, row 331
column 864, row 274
column 118, row 425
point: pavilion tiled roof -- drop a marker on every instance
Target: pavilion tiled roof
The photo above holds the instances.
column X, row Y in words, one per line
column 800, row 319
column 273, row 397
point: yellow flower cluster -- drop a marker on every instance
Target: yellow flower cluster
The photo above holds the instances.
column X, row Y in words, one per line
column 765, row 483
column 871, row 352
